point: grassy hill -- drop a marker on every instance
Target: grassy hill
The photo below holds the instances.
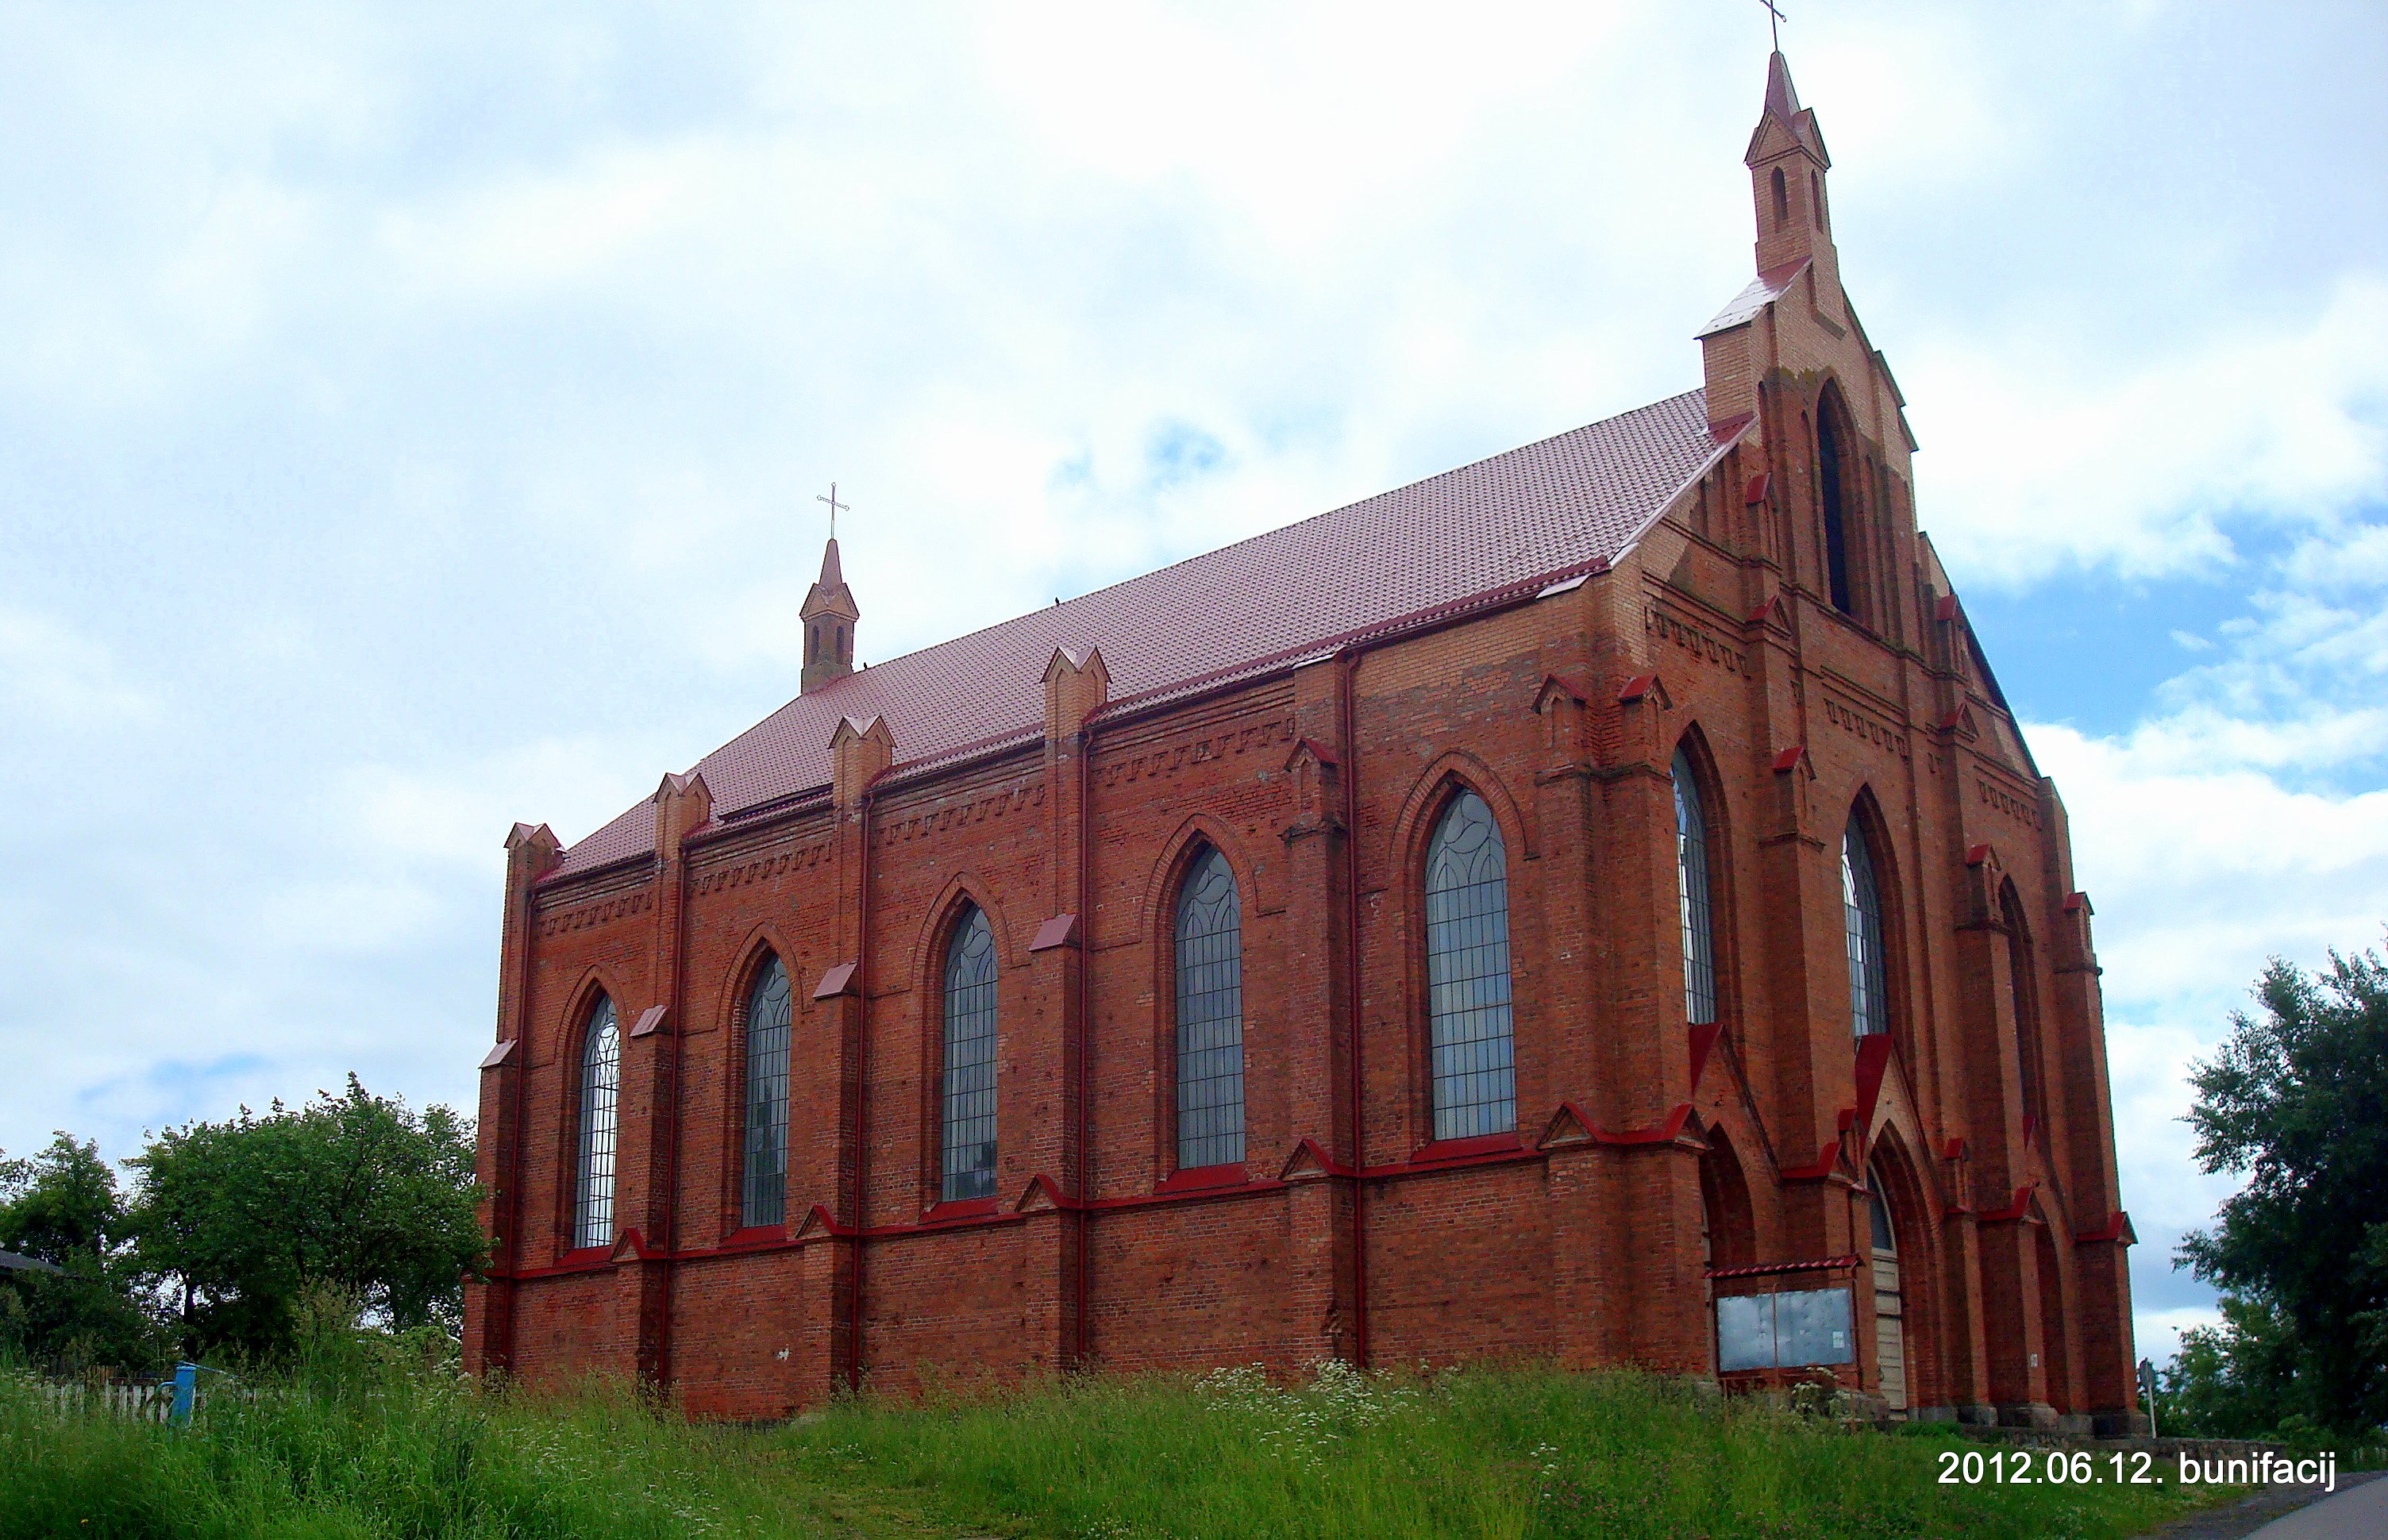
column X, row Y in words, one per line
column 1491, row 1453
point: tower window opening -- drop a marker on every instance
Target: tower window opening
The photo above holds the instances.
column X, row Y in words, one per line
column 1782, row 201
column 1816, row 198
column 1829, row 490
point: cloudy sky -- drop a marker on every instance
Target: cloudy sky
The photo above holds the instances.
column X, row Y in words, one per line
column 410, row 418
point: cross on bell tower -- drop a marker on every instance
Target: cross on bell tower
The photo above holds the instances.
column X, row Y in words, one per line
column 829, row 613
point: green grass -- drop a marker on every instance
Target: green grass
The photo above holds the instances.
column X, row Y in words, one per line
column 1500, row 1454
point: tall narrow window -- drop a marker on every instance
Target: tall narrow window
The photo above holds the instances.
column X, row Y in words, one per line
column 2024, row 999
column 601, row 1079
column 768, row 1020
column 1210, row 1015
column 1862, row 914
column 968, row 1145
column 1781, row 199
column 1830, row 492
column 1692, row 886
column 1474, row 1066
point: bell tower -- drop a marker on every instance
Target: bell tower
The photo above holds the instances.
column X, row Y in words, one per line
column 1787, row 163
column 829, row 614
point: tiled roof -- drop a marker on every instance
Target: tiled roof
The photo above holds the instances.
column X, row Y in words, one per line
column 1565, row 504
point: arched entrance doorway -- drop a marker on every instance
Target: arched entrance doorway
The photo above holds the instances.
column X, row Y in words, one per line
column 2056, row 1363
column 1889, row 1299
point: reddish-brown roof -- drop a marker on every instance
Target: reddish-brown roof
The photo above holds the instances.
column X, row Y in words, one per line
column 1550, row 509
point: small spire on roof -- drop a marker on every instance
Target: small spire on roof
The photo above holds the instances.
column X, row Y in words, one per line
column 829, row 611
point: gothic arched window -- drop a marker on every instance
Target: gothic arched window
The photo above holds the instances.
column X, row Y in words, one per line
column 768, row 1014
column 1781, row 199
column 1862, row 914
column 969, row 1123
column 1692, row 886
column 1474, row 1066
column 601, row 1079
column 1831, row 493
column 2024, row 995
column 1210, row 1015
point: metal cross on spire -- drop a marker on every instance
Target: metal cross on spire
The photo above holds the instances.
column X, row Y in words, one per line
column 834, row 505
column 1774, row 19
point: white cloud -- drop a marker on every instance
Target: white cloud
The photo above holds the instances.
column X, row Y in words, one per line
column 2040, row 457
column 50, row 671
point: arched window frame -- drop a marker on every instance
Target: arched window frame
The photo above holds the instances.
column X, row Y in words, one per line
column 1838, row 477
column 2022, row 996
column 1782, row 198
column 1207, row 1039
column 767, row 1039
column 1865, row 930
column 1470, row 1079
column 1695, row 871
column 970, row 1022
column 597, row 1128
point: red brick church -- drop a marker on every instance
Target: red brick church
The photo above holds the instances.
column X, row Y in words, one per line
column 1592, row 905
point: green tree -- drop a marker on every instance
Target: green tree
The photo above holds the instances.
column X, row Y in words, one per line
column 2297, row 1099
column 252, row 1222
column 63, row 1206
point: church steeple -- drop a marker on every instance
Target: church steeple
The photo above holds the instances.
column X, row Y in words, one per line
column 829, row 614
column 1787, row 163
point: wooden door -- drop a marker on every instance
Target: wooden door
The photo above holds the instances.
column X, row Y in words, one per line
column 1889, row 1321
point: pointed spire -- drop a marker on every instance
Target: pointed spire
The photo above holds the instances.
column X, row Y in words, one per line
column 829, row 616
column 1781, row 99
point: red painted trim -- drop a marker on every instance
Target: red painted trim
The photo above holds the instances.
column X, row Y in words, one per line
column 500, row 1054
column 1461, row 1149
column 1788, row 760
column 1318, row 751
column 1954, row 1150
column 837, row 981
column 2078, row 901
column 2116, row 1227
column 1728, row 430
column 1757, row 490
column 1193, row 1178
column 651, row 1020
column 1827, row 1159
column 959, row 1208
column 2013, row 1211
column 1639, row 686
column 1875, row 1051
column 1947, row 609
column 1704, row 1041
column 1977, row 854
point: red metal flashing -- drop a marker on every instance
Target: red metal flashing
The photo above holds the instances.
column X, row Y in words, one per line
column 1462, row 1148
column 2078, row 903
column 650, row 1021
column 1873, row 1060
column 1954, row 1148
column 1947, row 609
column 2015, row 1210
column 1828, row 1159
column 1060, row 931
column 500, row 1054
column 959, row 1208
column 1194, row 1178
column 1788, row 760
column 2116, row 1227
column 1977, row 854
column 1757, row 490
column 1704, row 1039
column 838, row 981
column 1639, row 686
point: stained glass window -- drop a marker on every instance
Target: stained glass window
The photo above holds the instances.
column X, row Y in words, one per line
column 968, row 1145
column 600, row 1078
column 1861, row 912
column 1692, row 888
column 1475, row 1079
column 768, row 1015
column 1210, row 1016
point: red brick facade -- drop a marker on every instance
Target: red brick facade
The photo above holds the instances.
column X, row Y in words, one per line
column 1654, row 1164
